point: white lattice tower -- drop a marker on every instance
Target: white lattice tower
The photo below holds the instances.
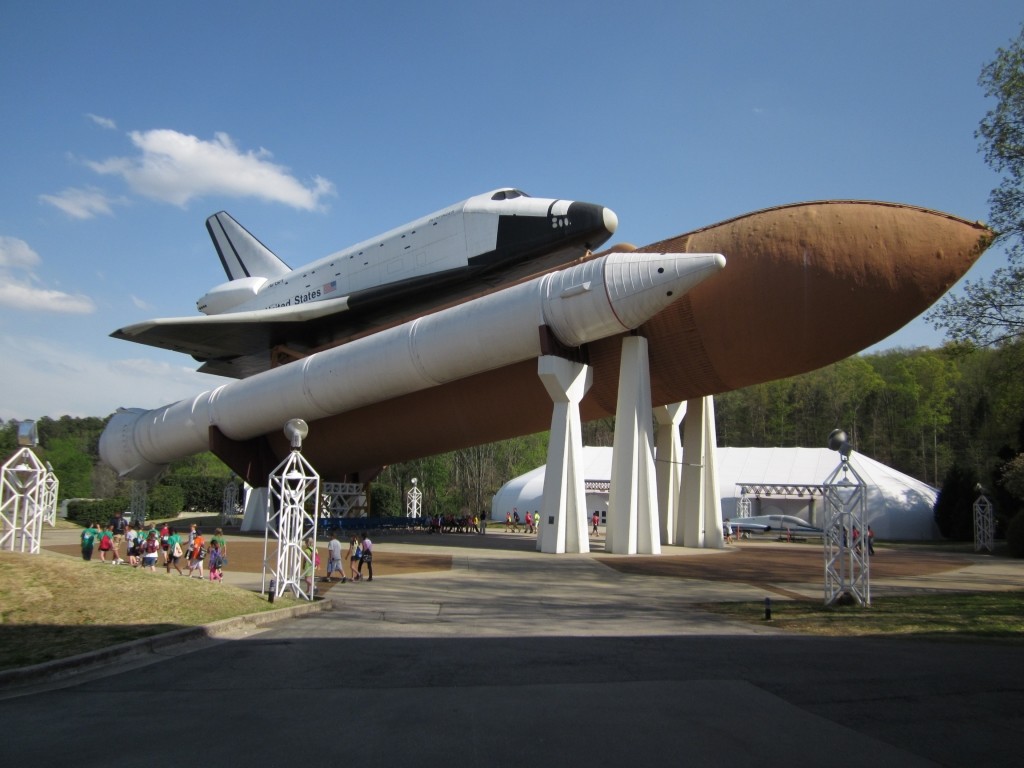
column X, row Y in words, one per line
column 293, row 509
column 229, row 507
column 847, row 564
column 743, row 506
column 139, row 499
column 343, row 499
column 51, row 487
column 22, row 507
column 414, row 501
column 984, row 529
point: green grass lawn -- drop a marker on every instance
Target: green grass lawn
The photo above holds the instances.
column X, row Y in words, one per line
column 53, row 606
column 976, row 616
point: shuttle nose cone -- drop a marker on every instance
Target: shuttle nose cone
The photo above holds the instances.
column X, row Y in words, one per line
column 611, row 221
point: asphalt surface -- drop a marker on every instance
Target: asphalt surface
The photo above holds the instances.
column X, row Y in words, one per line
column 498, row 655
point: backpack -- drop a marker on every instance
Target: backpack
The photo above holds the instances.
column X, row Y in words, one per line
column 202, row 552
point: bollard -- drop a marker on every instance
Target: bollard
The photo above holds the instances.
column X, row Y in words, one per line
column 767, row 609
column 273, row 591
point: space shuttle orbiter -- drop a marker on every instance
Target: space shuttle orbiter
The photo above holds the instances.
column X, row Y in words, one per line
column 267, row 311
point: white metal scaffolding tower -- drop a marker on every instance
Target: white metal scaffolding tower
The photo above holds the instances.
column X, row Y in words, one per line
column 230, row 507
column 293, row 508
column 51, row 487
column 414, row 501
column 23, row 502
column 137, row 505
column 847, row 563
column 984, row 529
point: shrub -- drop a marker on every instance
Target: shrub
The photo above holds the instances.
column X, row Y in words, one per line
column 85, row 511
column 165, row 502
column 199, row 492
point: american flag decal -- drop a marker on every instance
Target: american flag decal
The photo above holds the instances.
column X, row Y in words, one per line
column 330, row 286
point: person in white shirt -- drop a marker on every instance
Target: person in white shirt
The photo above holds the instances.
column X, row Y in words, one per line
column 334, row 558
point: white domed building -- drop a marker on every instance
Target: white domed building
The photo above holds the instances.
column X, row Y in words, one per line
column 773, row 480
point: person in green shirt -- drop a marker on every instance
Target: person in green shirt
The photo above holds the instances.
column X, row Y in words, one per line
column 174, row 552
column 89, row 540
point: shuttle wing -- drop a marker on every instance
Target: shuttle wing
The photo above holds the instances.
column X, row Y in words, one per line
column 238, row 344
column 219, row 339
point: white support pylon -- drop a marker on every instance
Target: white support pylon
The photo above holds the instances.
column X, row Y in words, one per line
column 700, row 519
column 564, row 506
column 254, row 517
column 669, row 467
column 632, row 499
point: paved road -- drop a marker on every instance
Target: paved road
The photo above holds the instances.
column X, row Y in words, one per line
column 516, row 658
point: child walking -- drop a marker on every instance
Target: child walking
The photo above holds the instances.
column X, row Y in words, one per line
column 216, row 561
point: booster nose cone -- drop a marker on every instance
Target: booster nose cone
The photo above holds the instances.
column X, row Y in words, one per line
column 611, row 221
column 640, row 285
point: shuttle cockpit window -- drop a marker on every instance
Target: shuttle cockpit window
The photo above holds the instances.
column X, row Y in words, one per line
column 508, row 194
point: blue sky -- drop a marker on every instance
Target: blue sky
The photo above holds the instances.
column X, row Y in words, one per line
column 316, row 124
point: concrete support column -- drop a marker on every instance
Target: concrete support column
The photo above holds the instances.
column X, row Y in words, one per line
column 669, row 467
column 254, row 518
column 564, row 507
column 700, row 519
column 632, row 500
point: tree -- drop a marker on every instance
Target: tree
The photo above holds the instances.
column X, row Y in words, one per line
column 954, row 509
column 72, row 466
column 991, row 312
column 1013, row 476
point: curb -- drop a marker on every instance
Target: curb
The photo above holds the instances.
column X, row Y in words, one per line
column 49, row 671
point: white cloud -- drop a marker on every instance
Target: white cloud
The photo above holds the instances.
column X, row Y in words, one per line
column 175, row 167
column 81, row 203
column 19, row 288
column 46, row 378
column 17, row 253
column 102, row 122
column 141, row 303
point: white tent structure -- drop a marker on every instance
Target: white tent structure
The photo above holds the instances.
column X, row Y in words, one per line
column 774, row 480
column 526, row 492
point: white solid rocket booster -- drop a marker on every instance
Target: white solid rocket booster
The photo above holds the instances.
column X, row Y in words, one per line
column 599, row 298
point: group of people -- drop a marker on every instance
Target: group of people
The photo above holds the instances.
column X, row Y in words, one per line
column 452, row 524
column 359, row 553
column 144, row 547
column 531, row 523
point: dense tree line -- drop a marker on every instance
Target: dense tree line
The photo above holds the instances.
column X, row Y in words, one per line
column 920, row 411
column 951, row 417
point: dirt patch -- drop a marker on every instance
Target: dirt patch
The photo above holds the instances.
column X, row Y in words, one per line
column 760, row 565
column 247, row 557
